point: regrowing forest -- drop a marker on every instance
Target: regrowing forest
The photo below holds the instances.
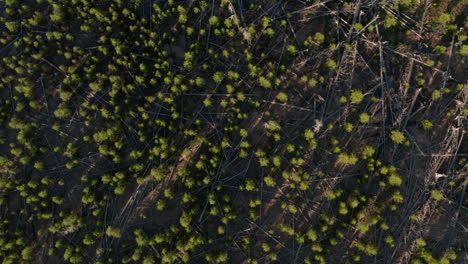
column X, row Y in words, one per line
column 233, row 131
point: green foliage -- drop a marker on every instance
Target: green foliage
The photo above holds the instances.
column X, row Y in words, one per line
column 88, row 240
column 319, row 38
column 439, row 49
column 397, row 137
column 451, row 254
column 395, row 179
column 436, row 95
column 214, row 21
column 364, row 118
column 426, row 124
column 208, row 102
column 27, row 253
column 12, row 26
column 397, row 196
column 113, row 232
column 312, row 83
column 150, row 260
column 463, row 50
column 282, row 97
column 406, row 3
column 358, row 26
column 309, row 135
column 311, row 235
column 347, row 159
column 160, row 205
column 436, row 195
column 158, row 173
column 63, row 111
column 367, row 248
column 269, row 32
column 269, row 181
column 277, row 160
column 208, row 114
column 265, row 21
column 389, row 240
column 183, row 18
column 39, row 165
column 169, row 256
column 264, row 82
column 58, row 14
column 266, row 247
column 12, row 3
column 249, row 185
column 273, row 126
column 390, row 21
column 343, row 99
column 331, row 64
column 420, row 242
column 218, row 77
column 348, row 127
column 291, row 49
column 367, row 152
column 185, row 220
column 444, row 18
column 356, row 96
column 316, row 247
